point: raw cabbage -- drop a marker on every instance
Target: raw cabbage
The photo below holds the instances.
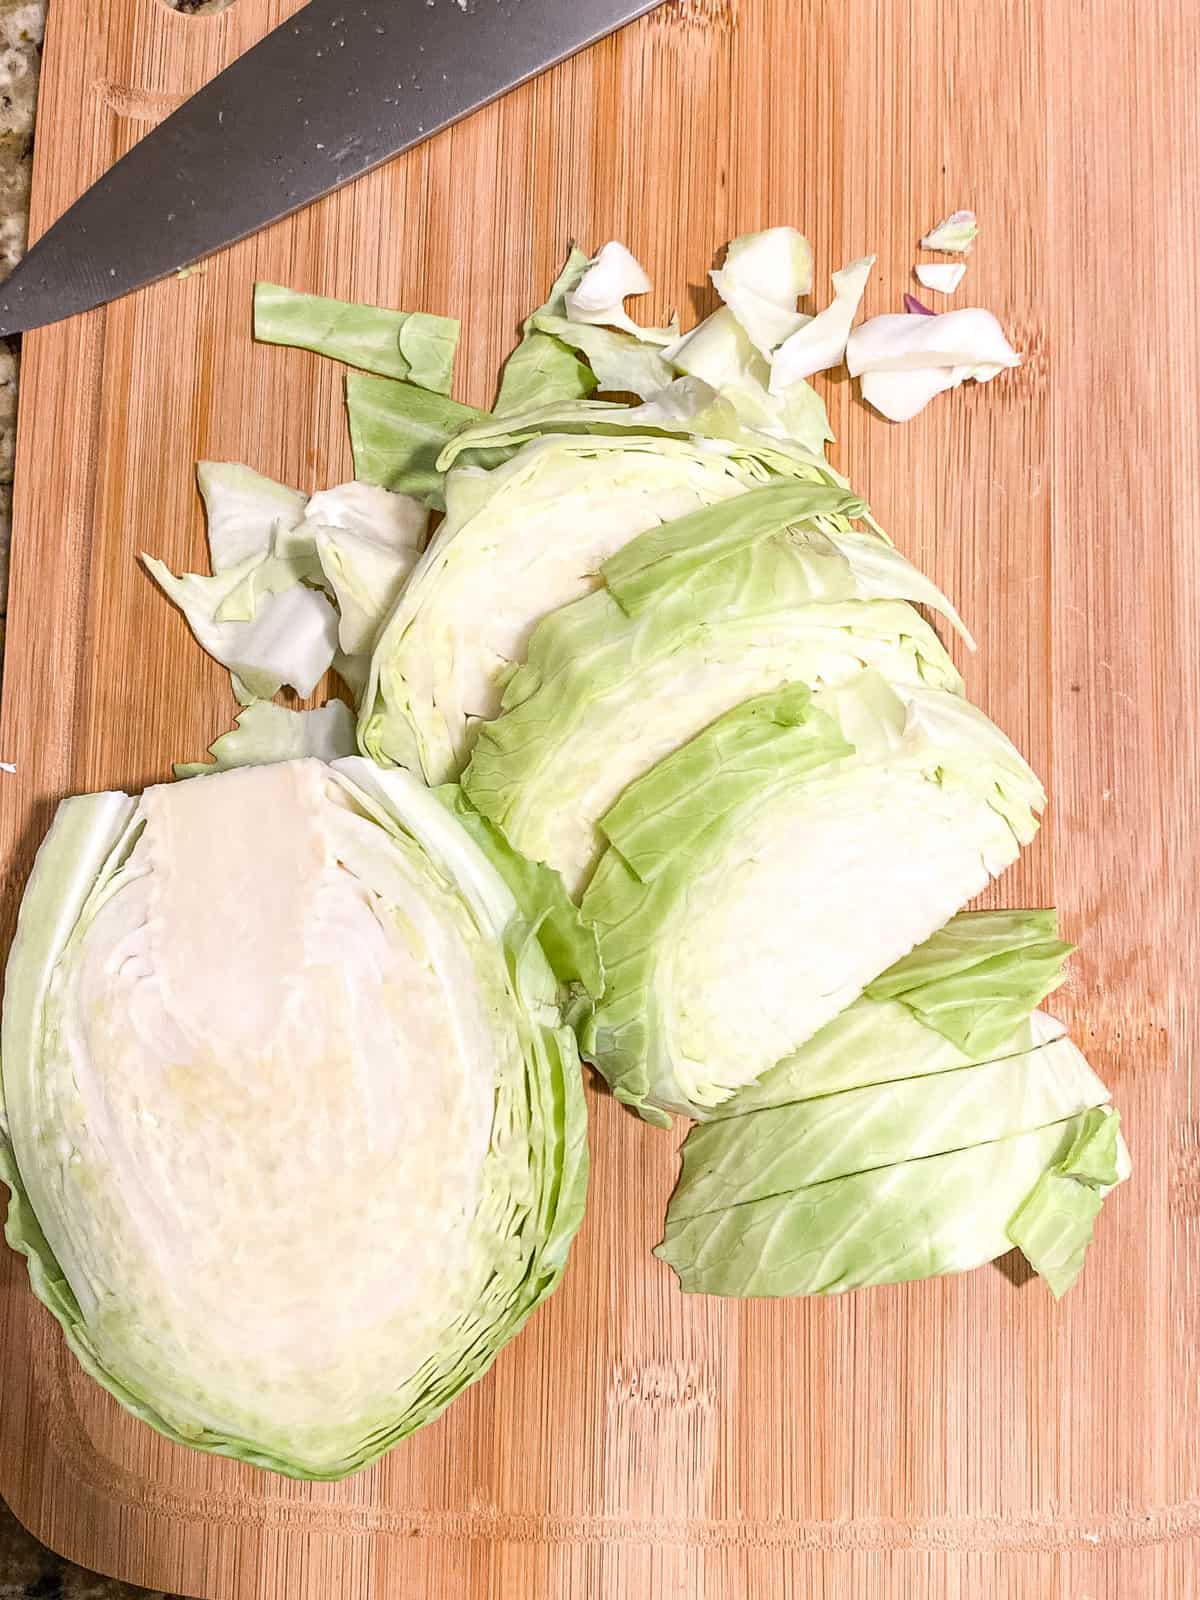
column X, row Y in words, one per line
column 516, row 544
column 695, row 617
column 730, row 903
column 294, row 1135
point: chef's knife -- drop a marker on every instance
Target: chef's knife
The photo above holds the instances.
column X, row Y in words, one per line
column 340, row 87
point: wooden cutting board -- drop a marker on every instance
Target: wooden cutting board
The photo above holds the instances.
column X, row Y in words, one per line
column 960, row 1438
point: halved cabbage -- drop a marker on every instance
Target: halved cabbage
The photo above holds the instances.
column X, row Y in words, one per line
column 297, row 1137
column 757, row 879
column 516, row 544
column 696, row 617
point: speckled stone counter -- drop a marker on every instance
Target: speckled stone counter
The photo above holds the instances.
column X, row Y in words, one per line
column 27, row 1571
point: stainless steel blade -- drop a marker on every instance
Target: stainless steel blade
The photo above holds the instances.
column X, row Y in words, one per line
column 339, row 88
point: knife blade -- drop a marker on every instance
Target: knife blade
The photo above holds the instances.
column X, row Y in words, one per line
column 334, row 91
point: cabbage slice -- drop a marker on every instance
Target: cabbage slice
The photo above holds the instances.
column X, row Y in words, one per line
column 517, row 544
column 783, row 1148
column 692, row 622
column 914, row 1219
column 730, row 903
column 295, row 1139
column 410, row 345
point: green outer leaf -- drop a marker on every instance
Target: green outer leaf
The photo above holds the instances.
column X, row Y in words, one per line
column 916, row 1219
column 266, row 733
column 398, row 432
column 775, row 1151
column 1053, row 1227
column 570, row 945
column 543, row 369
column 90, row 839
column 395, row 344
column 980, row 975
column 664, row 557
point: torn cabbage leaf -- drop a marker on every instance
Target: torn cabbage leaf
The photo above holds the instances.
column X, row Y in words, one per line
column 516, row 544
column 761, row 278
column 599, row 295
column 758, row 878
column 542, row 369
column 243, row 510
column 408, row 345
column 266, row 733
column 821, row 342
column 941, row 276
column 955, row 233
column 694, row 618
column 295, row 1148
column 1053, row 1227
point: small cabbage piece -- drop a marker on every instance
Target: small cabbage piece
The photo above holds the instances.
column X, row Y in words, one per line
column 941, row 276
column 913, row 1219
column 267, row 733
column 695, row 617
column 720, row 353
column 761, row 278
column 517, row 544
column 970, row 337
column 955, row 233
column 291, row 639
column 409, row 345
column 295, row 1138
column 1053, row 1228
column 968, row 994
column 821, row 342
column 757, row 879
column 599, row 295
column 243, row 510
column 903, row 361
column 398, row 431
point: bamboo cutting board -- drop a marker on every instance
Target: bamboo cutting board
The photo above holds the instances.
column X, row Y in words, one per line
column 960, row 1438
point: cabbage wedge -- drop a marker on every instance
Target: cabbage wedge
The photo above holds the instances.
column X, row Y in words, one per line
column 758, row 878
column 518, row 543
column 295, row 1137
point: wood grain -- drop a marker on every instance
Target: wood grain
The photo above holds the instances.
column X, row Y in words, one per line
column 962, row 1438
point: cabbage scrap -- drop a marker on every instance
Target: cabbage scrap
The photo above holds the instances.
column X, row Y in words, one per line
column 409, row 345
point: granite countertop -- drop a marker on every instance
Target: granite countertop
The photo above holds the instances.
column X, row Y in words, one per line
column 27, row 1570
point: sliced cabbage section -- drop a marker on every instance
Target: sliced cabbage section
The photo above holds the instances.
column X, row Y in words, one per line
column 730, row 905
column 1053, row 1228
column 267, row 733
column 693, row 621
column 742, row 1159
column 529, row 537
column 914, row 1219
column 295, row 1137
column 966, row 995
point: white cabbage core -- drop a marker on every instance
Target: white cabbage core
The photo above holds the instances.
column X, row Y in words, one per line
column 271, row 1058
